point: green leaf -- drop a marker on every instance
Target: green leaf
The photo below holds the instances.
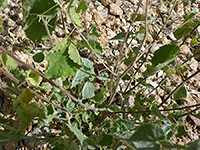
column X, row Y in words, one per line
column 181, row 131
column 77, row 133
column 140, row 17
column 180, row 93
column 87, row 63
column 47, row 113
column 25, row 112
column 105, row 139
column 88, row 90
column 3, row 4
column 84, row 73
column 74, row 54
column 190, row 15
column 10, row 63
column 1, row 25
column 83, row 7
column 26, row 96
column 73, row 14
column 34, row 78
column 145, row 145
column 148, row 132
column 32, row 10
column 80, row 76
column 165, row 53
column 38, row 57
column 101, row 96
column 185, row 30
column 156, row 111
column 120, row 36
column 194, row 145
column 59, row 62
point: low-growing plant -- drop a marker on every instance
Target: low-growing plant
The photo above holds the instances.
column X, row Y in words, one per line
column 76, row 104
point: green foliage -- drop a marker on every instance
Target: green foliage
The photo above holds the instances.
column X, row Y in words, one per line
column 33, row 11
column 180, row 93
column 120, row 36
column 60, row 62
column 10, row 63
column 185, row 29
column 162, row 57
column 73, row 14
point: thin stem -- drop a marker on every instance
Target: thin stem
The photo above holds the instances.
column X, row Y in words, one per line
column 178, row 87
column 135, row 58
column 47, row 29
column 190, row 112
column 52, row 83
column 126, row 37
column 10, row 76
column 162, row 110
column 96, row 54
column 167, row 18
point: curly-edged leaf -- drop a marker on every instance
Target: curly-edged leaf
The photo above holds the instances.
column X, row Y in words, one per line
column 59, row 62
column 74, row 54
column 88, row 90
column 32, row 10
column 164, row 54
column 186, row 29
column 77, row 133
column 180, row 93
column 120, row 36
column 148, row 132
column 34, row 78
column 73, row 14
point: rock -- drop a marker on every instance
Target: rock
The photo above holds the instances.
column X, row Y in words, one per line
column 98, row 18
column 88, row 17
column 111, row 33
column 106, row 2
column 115, row 10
